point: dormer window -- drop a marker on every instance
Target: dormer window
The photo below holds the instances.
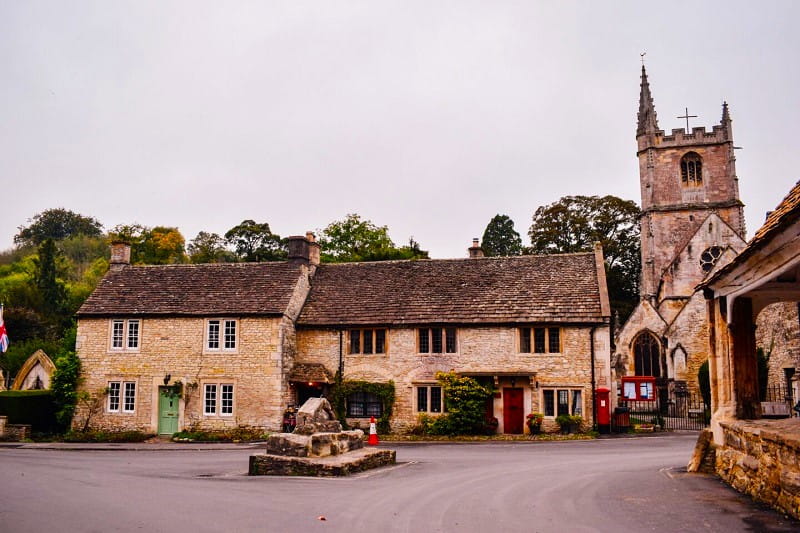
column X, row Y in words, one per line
column 691, row 170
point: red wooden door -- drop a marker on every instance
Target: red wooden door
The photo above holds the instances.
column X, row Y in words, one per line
column 513, row 417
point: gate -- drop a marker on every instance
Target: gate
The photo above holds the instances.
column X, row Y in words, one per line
column 684, row 410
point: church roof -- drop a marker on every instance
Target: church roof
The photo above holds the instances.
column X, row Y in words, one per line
column 787, row 212
column 544, row 288
column 195, row 290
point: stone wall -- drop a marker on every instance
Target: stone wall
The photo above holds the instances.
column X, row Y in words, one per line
column 762, row 459
column 175, row 346
column 484, row 351
column 778, row 332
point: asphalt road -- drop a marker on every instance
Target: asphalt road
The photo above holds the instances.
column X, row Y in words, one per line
column 606, row 485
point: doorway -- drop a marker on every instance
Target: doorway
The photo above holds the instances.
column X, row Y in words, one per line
column 513, row 416
column 167, row 411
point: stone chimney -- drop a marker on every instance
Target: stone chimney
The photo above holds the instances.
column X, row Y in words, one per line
column 303, row 249
column 475, row 250
column 120, row 254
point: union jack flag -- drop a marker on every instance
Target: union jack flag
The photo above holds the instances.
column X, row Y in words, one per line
column 3, row 334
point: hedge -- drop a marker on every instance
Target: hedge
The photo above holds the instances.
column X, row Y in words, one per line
column 34, row 407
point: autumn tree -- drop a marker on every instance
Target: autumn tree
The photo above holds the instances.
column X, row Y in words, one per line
column 209, row 248
column 254, row 242
column 57, row 224
column 574, row 223
column 160, row 245
column 500, row 238
column 353, row 239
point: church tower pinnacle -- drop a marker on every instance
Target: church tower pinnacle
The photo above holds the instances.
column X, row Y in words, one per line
column 648, row 121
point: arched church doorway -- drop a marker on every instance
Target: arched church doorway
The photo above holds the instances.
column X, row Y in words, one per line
column 646, row 355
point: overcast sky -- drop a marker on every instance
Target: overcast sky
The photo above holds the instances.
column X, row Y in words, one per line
column 428, row 117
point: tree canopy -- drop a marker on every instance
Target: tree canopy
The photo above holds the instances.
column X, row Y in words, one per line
column 57, row 224
column 354, row 239
column 500, row 238
column 209, row 248
column 254, row 242
column 574, row 223
column 160, row 245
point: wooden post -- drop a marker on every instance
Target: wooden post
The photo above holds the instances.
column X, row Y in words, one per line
column 745, row 361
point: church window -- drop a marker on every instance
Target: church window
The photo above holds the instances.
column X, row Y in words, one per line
column 691, row 170
column 646, row 356
column 709, row 258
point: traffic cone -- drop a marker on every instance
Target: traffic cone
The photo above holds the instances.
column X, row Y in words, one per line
column 373, row 433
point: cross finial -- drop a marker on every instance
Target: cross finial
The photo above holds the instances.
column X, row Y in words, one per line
column 687, row 116
column 642, row 56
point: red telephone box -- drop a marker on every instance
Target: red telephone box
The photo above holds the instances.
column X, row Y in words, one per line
column 602, row 407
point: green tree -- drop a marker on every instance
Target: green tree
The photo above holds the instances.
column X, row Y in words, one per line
column 254, row 242
column 57, row 224
column 500, row 238
column 66, row 379
column 575, row 223
column 53, row 294
column 353, row 239
column 209, row 248
column 465, row 400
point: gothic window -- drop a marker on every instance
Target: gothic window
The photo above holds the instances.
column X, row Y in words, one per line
column 691, row 170
column 709, row 257
column 646, row 356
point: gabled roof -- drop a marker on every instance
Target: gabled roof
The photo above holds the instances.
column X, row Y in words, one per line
column 195, row 290
column 787, row 212
column 546, row 288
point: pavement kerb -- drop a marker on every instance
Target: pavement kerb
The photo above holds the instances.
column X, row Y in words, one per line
column 209, row 446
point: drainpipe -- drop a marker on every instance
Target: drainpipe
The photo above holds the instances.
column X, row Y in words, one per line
column 341, row 359
column 594, row 401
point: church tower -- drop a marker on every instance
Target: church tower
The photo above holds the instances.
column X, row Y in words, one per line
column 684, row 177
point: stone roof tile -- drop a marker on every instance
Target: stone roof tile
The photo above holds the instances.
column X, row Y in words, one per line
column 194, row 290
column 549, row 288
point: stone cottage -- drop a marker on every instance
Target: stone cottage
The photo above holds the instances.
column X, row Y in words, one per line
column 222, row 345
column 534, row 327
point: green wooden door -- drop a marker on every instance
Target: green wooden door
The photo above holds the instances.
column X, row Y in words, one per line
column 167, row 412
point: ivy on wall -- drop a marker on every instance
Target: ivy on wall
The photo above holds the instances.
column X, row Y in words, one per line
column 383, row 391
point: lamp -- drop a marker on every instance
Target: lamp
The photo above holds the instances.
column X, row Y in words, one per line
column 167, row 377
column 513, row 382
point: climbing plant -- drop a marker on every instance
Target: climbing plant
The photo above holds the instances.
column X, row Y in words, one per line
column 342, row 389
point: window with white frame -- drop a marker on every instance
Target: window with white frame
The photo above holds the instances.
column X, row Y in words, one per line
column 218, row 399
column 429, row 399
column 121, row 396
column 125, row 334
column 557, row 402
column 221, row 335
column 437, row 340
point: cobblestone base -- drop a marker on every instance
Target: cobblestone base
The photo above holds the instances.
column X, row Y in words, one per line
column 331, row 466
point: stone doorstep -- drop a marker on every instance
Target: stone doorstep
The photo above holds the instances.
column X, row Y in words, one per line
column 330, row 466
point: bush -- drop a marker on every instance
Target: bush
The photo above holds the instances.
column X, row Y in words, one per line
column 569, row 423
column 465, row 400
column 106, row 436
column 241, row 433
column 34, row 407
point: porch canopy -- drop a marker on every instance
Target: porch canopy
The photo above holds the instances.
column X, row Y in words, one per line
column 765, row 272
